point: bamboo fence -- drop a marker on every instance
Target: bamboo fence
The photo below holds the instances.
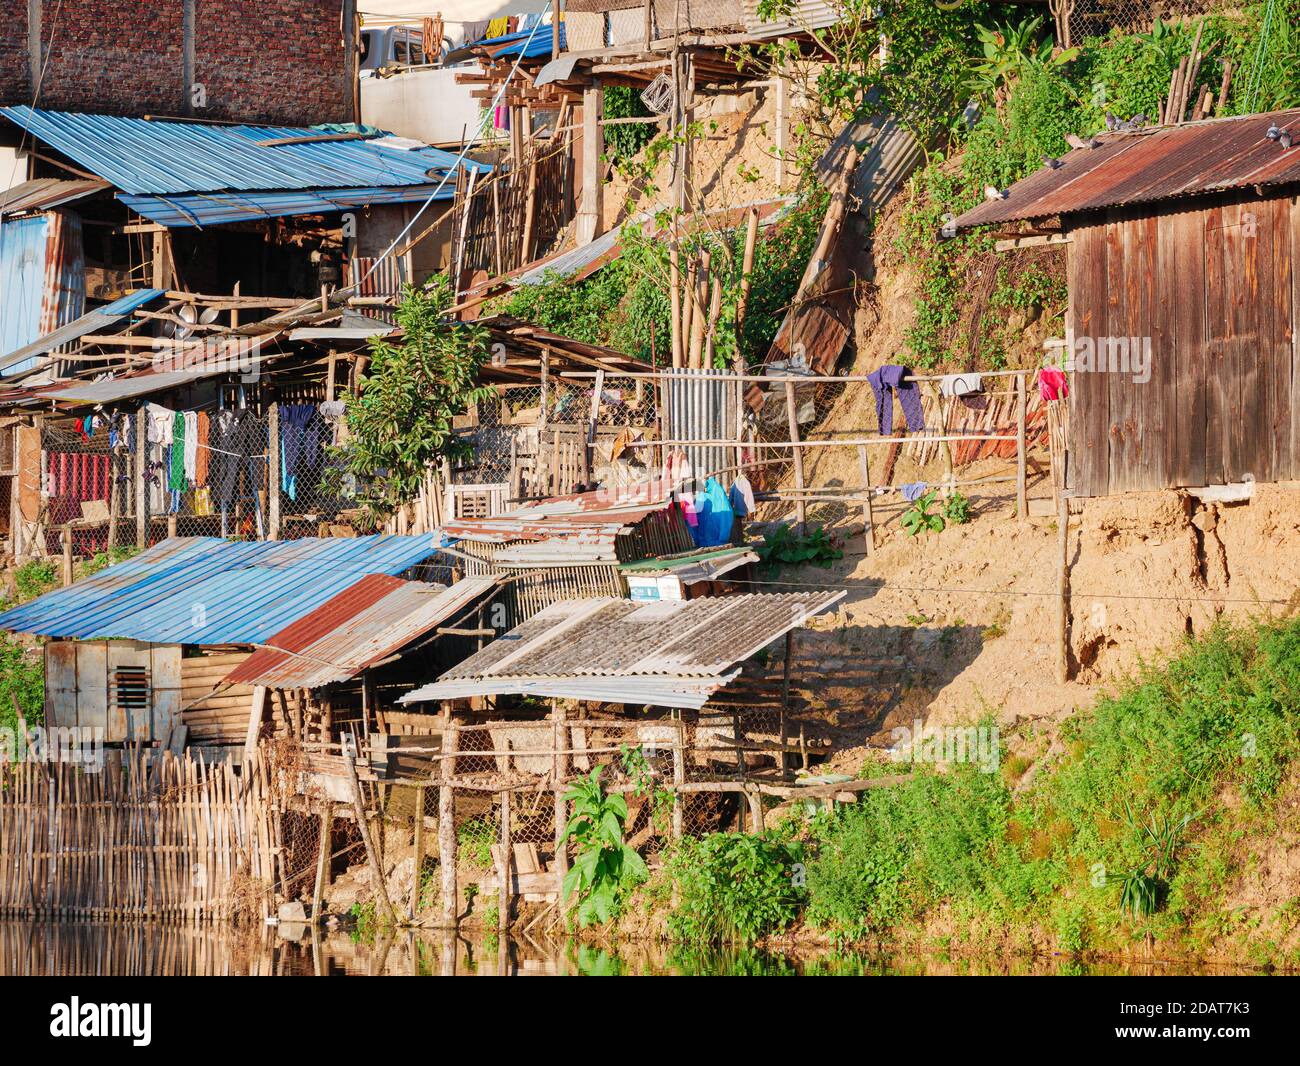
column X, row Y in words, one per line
column 156, row 837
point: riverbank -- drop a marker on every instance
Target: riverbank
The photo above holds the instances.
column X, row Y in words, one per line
column 1163, row 822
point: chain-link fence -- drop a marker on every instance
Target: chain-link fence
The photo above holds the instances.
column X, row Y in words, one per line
column 531, row 441
column 1096, row 18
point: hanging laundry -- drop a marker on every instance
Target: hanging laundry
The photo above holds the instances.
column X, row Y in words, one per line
column 162, row 421
column 960, row 384
column 203, row 452
column 913, row 490
column 885, row 383
column 191, row 447
column 223, row 469
column 302, row 436
column 1052, row 384
column 715, row 516
column 742, row 496
column 176, row 456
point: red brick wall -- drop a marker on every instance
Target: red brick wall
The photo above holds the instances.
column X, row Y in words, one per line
column 274, row 61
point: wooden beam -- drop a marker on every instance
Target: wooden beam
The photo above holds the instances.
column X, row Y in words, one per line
column 1037, row 240
column 589, row 210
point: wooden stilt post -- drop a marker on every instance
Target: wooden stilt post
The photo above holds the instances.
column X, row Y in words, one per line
column 363, row 825
column 67, row 556
column 559, row 771
column 589, row 211
column 256, row 708
column 447, row 826
column 503, row 866
column 418, row 848
column 322, row 863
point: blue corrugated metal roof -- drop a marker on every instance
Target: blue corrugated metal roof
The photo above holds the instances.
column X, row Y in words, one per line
column 144, row 157
column 539, row 45
column 210, row 209
column 204, row 590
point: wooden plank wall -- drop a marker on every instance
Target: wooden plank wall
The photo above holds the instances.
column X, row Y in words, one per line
column 1211, row 282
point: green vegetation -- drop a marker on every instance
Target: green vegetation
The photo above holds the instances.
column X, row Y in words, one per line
column 624, row 141
column 1029, row 97
column 919, row 518
column 734, row 887
column 474, row 840
column 605, row 870
column 22, row 682
column 782, row 546
column 103, row 559
column 625, row 304
column 401, row 423
column 1140, row 829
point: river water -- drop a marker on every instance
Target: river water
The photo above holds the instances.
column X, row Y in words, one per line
column 92, row 948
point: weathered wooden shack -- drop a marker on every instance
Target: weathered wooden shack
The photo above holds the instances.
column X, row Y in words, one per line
column 1180, row 339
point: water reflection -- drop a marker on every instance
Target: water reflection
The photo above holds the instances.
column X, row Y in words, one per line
column 91, row 948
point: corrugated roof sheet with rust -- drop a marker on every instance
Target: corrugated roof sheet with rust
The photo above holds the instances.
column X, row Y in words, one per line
column 204, row 590
column 1161, row 163
column 359, row 627
column 667, row 653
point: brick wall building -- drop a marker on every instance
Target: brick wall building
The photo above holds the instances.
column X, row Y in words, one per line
column 275, row 61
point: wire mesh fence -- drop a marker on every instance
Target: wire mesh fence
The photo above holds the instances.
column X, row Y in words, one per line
column 531, row 441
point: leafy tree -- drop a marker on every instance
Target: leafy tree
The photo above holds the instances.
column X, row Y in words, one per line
column 401, row 422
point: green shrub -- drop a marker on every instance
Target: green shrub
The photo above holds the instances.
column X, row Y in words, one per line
column 733, row 887
column 22, row 681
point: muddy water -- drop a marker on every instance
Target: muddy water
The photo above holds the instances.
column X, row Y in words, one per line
column 85, row 948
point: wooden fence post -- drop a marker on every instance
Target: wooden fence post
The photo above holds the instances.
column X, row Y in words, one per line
column 868, row 520
column 679, row 777
column 447, row 826
column 273, row 471
column 141, row 464
column 67, row 556
column 1063, row 592
column 801, row 508
column 1022, row 499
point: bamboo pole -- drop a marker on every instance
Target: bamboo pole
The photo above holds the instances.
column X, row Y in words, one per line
column 746, row 281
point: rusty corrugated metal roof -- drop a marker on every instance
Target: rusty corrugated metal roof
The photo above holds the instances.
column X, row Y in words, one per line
column 1161, row 163
column 669, row 653
column 359, row 627
column 41, row 194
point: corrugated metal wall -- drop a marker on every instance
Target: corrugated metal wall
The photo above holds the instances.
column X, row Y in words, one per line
column 704, row 405
column 42, row 278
